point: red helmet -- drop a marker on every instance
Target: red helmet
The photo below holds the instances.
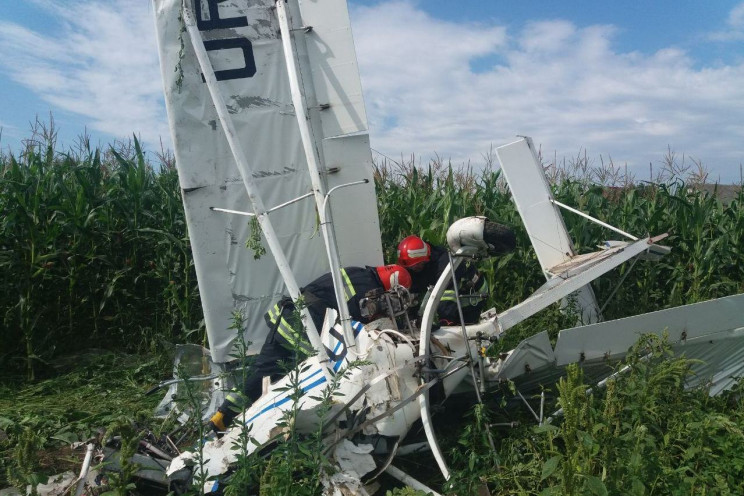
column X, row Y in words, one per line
column 413, row 251
column 394, row 275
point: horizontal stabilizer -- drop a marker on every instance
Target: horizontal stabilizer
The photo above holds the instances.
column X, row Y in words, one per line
column 569, row 276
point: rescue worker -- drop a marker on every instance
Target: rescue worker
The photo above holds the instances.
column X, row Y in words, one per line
column 426, row 262
column 287, row 340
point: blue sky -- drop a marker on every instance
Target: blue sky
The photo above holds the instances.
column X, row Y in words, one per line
column 621, row 81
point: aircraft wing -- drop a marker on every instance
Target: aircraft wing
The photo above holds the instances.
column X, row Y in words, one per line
column 245, row 51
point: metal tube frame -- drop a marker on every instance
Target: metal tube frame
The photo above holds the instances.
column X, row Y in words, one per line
column 596, row 221
column 427, row 319
column 313, row 162
column 480, row 381
column 290, row 202
column 409, row 481
column 251, row 214
column 84, row 469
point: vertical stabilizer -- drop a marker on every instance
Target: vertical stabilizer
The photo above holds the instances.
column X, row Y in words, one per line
column 542, row 219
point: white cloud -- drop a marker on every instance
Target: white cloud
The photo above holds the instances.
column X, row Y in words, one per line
column 431, row 85
column 102, row 64
column 736, row 17
column 562, row 84
column 734, row 30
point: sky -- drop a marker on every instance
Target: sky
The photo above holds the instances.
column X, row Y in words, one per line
column 620, row 81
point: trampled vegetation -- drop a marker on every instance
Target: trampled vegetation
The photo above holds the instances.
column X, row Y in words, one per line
column 94, row 254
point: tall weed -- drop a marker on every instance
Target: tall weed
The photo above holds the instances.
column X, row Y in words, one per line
column 642, row 434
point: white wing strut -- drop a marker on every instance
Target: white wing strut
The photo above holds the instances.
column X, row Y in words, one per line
column 311, row 148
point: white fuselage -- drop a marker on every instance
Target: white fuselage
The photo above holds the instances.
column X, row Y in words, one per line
column 385, row 374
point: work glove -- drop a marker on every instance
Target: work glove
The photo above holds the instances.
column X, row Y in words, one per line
column 217, row 424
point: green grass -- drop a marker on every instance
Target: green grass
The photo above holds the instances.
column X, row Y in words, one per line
column 642, row 434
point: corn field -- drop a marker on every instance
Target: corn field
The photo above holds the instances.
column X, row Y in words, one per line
column 94, row 253
column 706, row 235
column 94, row 250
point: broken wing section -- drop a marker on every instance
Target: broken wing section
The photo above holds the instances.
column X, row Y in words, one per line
column 711, row 331
column 245, row 50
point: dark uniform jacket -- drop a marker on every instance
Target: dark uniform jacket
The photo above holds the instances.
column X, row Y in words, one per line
column 472, row 288
column 287, row 340
column 357, row 281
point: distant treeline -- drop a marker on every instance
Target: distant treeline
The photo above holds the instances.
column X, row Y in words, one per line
column 94, row 250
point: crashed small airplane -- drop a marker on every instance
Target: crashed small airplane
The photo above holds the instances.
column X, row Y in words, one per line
column 269, row 127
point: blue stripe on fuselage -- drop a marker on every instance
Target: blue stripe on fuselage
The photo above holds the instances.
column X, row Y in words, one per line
column 277, row 403
column 357, row 326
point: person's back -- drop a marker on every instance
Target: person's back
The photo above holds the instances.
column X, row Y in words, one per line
column 427, row 274
column 357, row 281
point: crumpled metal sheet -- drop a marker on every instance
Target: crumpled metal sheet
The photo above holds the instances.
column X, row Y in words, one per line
column 354, row 462
column 342, row 484
column 354, row 459
column 57, row 485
